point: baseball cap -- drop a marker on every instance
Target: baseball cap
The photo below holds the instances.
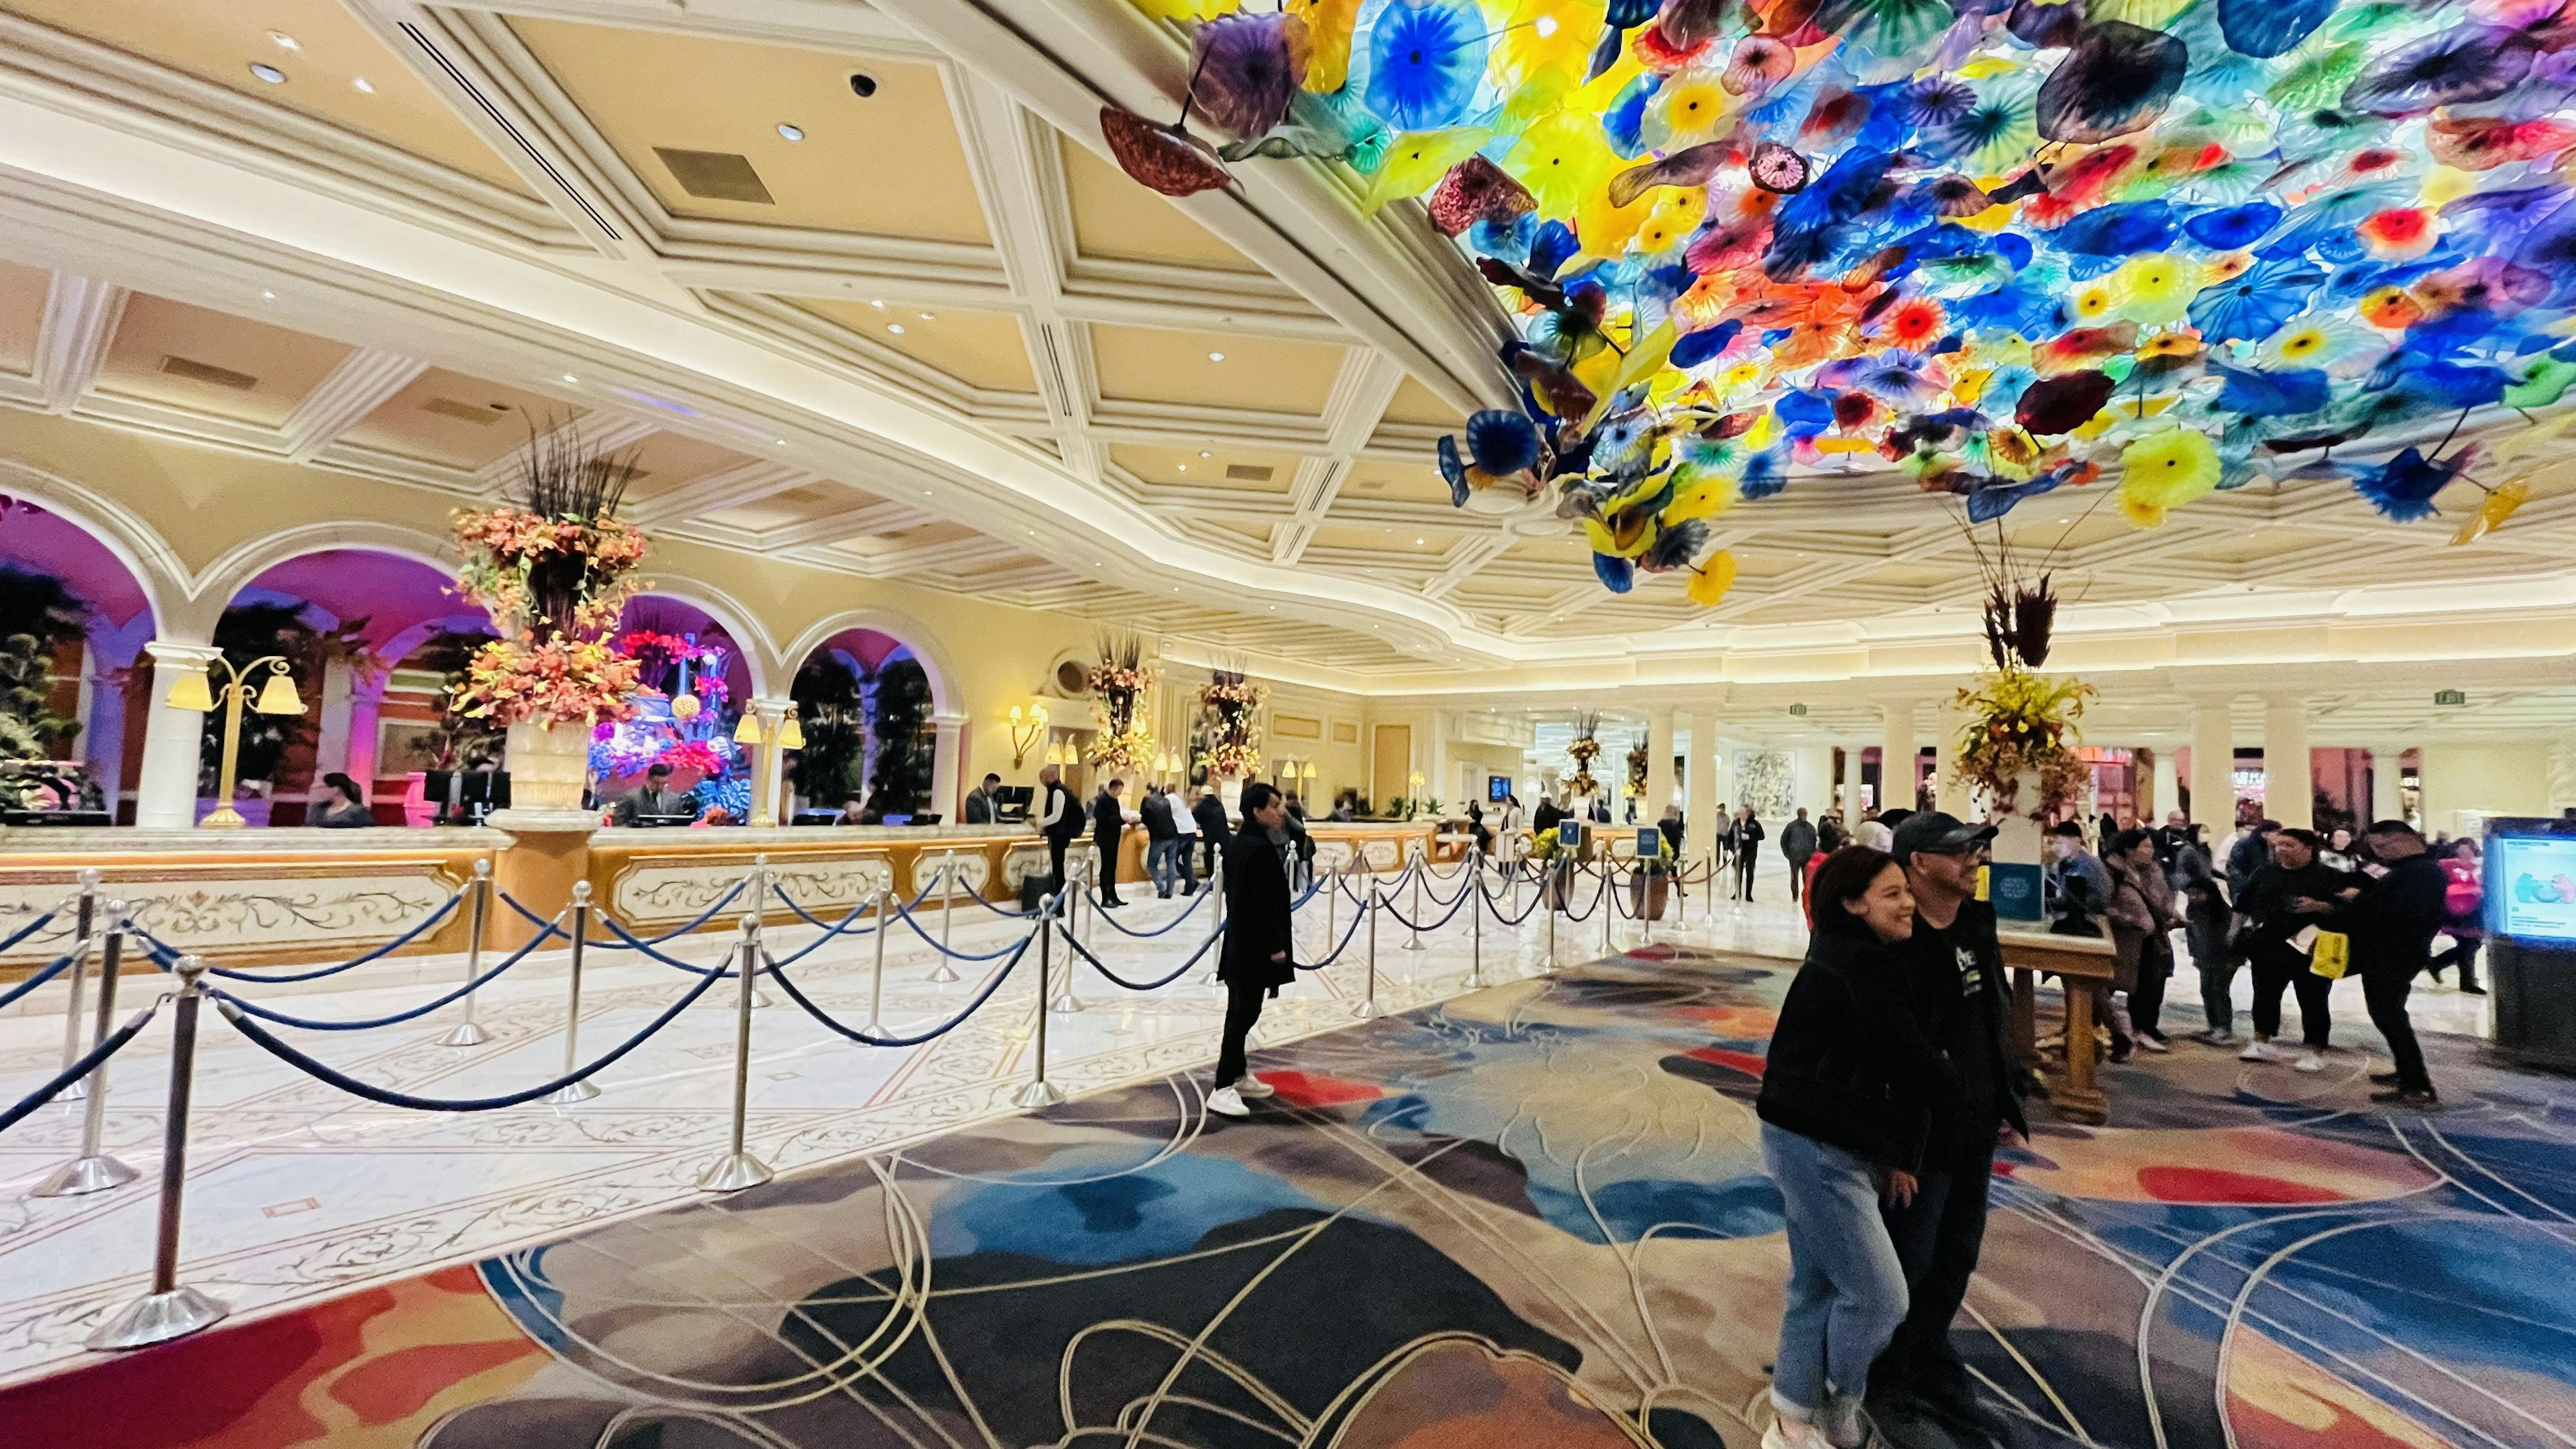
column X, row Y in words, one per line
column 1938, row 832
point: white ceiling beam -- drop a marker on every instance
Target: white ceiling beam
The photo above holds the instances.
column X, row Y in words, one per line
column 829, row 25
column 364, row 381
column 731, row 488
column 79, row 325
column 600, row 433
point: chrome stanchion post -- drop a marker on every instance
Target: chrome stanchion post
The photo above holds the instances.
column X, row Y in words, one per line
column 85, row 925
column 760, row 913
column 1413, row 929
column 1554, row 899
column 93, row 1170
column 1609, row 908
column 1476, row 920
column 585, row 1089
column 1040, row 1092
column 876, row 980
column 170, row 1311
column 1368, row 1002
column 470, row 1032
column 1645, row 896
column 942, row 972
column 739, row 1169
column 1085, row 911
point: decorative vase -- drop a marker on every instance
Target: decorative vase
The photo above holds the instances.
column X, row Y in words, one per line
column 548, row 764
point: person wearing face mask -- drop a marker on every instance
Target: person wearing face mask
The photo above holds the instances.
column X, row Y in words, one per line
column 2079, row 885
column 2143, row 920
column 2291, row 892
column 2392, row 919
column 1848, row 1096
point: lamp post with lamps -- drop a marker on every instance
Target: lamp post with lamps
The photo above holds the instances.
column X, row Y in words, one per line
column 194, row 691
column 766, row 737
column 1026, row 726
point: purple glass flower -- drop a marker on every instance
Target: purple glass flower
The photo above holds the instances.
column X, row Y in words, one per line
column 1247, row 69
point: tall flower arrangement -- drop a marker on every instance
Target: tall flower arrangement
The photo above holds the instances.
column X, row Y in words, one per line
column 1229, row 703
column 1118, row 685
column 2023, row 723
column 553, row 566
column 1585, row 749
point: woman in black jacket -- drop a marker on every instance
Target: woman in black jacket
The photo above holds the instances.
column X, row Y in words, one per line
column 1259, row 954
column 1846, row 1104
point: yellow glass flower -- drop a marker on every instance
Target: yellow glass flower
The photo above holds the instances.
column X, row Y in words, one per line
column 1548, row 35
column 1675, row 215
column 1607, row 229
column 1562, row 159
column 2165, row 470
column 1685, row 111
column 2500, row 505
column 1417, row 161
column 2094, row 303
column 2156, row 288
column 1710, row 581
column 1328, row 28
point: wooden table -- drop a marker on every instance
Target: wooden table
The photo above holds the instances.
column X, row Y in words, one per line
column 2080, row 963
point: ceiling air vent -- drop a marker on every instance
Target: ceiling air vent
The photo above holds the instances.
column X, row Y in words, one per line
column 1249, row 472
column 715, row 175
column 207, row 372
column 479, row 414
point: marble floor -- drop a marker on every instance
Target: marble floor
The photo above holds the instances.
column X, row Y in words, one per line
column 298, row 1191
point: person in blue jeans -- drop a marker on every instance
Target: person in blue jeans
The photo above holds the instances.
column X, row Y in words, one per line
column 1846, row 1107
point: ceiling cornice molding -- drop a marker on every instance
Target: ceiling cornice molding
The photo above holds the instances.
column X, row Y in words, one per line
column 79, row 323
column 364, row 381
column 828, row 25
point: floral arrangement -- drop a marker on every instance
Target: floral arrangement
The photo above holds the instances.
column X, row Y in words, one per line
column 554, row 569
column 1639, row 757
column 2155, row 248
column 695, row 755
column 1585, row 749
column 1118, row 683
column 2021, row 723
column 1228, row 706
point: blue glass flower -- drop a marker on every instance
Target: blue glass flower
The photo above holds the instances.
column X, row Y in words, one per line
column 1424, row 62
column 2255, row 303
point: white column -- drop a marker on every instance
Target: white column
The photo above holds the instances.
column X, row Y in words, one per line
column 1659, row 764
column 1699, row 780
column 2387, row 782
column 102, row 738
column 2289, row 782
column 165, row 798
column 1949, row 789
column 2167, row 786
column 1811, row 780
column 2213, row 765
column 1896, row 757
column 1851, row 781
column 331, row 739
column 948, row 733
column 366, row 707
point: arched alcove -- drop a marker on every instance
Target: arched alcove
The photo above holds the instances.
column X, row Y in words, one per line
column 85, row 613
column 867, row 706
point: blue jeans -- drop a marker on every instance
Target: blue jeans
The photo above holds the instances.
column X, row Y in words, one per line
column 1165, row 862
column 1846, row 1288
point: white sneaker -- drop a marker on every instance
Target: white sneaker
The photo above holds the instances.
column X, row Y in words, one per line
column 2311, row 1062
column 2152, row 1044
column 1794, row 1434
column 1227, row 1102
column 2258, row 1050
column 1252, row 1088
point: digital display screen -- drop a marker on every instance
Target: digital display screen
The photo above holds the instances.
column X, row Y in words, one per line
column 2531, row 887
column 1569, row 833
column 1650, row 841
column 1498, row 788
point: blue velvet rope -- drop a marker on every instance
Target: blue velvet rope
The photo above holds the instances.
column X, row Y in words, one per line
column 1348, row 932
column 323, row 1072
column 641, row 942
column 31, row 928
column 1177, row 972
column 60, row 963
column 166, row 956
column 308, row 1024
column 861, row 1036
column 952, row 955
column 1196, row 900
column 846, row 927
column 79, row 1069
column 1455, row 906
column 647, row 950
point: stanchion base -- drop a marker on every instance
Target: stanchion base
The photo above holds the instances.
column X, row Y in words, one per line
column 158, row 1318
column 734, row 1172
column 465, row 1034
column 76, row 1092
column 759, row 998
column 581, row 1091
column 1366, row 1008
column 1040, row 1093
column 1065, row 1005
column 81, row 1176
column 943, row 974
column 1414, row 944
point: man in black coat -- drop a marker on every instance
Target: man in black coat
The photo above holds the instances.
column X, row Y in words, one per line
column 2391, row 924
column 1108, row 823
column 1161, row 839
column 1259, row 953
column 1797, row 843
column 1214, row 828
column 1059, row 818
column 1920, row 1383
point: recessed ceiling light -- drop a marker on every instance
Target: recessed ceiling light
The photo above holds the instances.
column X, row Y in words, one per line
column 568, row 377
column 926, row 317
column 877, row 302
column 1185, row 467
column 267, row 296
column 778, row 442
column 362, row 85
column 1216, row 357
column 895, row 327
column 863, row 85
column 788, row 132
column 1204, row 453
column 1417, row 543
column 268, row 73
column 283, row 41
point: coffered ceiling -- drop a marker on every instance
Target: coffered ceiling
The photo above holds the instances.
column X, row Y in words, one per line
column 926, row 332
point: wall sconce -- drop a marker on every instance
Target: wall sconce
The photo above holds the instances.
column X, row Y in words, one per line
column 1310, row 771
column 1026, row 726
column 1057, row 754
column 191, row 691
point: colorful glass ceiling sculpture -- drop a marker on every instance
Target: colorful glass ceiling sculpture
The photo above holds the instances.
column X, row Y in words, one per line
column 2174, row 246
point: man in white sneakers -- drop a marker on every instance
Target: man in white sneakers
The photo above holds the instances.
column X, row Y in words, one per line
column 1257, row 958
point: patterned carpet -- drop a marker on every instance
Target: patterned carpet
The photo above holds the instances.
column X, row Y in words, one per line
column 1535, row 1216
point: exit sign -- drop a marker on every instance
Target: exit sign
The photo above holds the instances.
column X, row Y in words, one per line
column 2450, row 696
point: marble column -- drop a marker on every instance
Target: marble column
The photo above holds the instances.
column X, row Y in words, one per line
column 1659, row 764
column 331, row 738
column 1699, row 781
column 366, row 731
column 173, row 739
column 2387, row 783
column 1851, row 781
column 947, row 765
column 2165, row 788
column 2289, row 781
column 1896, row 757
column 1811, row 779
column 1949, row 788
column 2213, row 765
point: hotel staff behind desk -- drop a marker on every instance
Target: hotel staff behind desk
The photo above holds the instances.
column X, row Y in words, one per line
column 657, row 803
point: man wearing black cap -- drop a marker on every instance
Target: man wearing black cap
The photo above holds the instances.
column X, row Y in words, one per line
column 2391, row 925
column 1919, row 1390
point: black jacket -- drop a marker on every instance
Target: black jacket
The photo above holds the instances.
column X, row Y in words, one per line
column 1156, row 812
column 1849, row 1064
column 1798, row 841
column 1210, row 814
column 1059, row 816
column 2392, row 922
column 1938, row 1002
column 1108, row 819
column 2265, row 900
column 1256, row 913
column 979, row 807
